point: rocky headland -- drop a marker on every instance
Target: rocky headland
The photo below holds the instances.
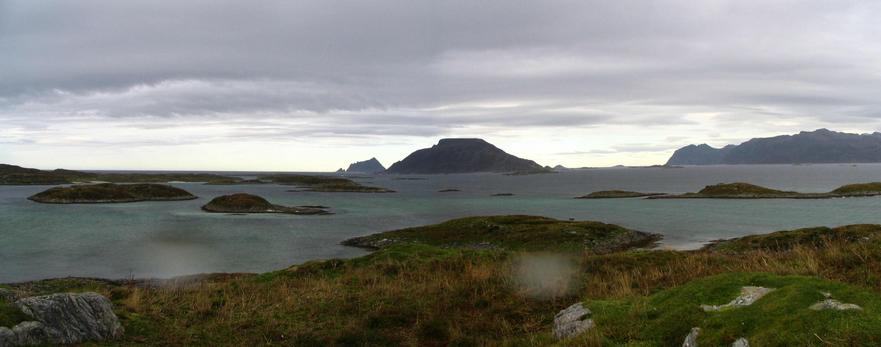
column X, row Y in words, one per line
column 369, row 166
column 16, row 175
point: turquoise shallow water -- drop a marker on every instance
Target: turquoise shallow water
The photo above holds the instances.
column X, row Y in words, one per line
column 164, row 239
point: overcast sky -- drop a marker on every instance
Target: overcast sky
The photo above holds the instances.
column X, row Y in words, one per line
column 314, row 85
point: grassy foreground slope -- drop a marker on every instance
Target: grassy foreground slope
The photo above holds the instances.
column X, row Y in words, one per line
column 423, row 295
column 781, row 318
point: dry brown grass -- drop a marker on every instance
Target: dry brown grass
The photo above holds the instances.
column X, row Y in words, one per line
column 459, row 298
column 627, row 274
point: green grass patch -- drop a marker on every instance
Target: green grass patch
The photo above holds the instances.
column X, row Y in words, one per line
column 10, row 315
column 781, row 318
column 787, row 239
column 859, row 188
column 521, row 233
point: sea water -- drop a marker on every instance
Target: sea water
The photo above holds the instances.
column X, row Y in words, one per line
column 165, row 239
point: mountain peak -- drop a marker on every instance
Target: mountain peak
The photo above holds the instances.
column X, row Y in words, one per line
column 371, row 165
column 462, row 155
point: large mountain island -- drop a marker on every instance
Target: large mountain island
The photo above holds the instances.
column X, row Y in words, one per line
column 462, row 156
column 367, row 166
column 820, row 146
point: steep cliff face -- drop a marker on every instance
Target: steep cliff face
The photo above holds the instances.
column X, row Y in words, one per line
column 368, row 166
column 462, row 156
column 699, row 155
column 820, row 146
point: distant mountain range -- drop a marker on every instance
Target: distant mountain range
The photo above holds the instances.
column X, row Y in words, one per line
column 462, row 156
column 368, row 166
column 820, row 146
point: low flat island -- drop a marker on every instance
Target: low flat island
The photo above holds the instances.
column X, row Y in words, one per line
column 111, row 193
column 310, row 183
column 616, row 194
column 752, row 191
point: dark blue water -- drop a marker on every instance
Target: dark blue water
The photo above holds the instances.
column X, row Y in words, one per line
column 163, row 239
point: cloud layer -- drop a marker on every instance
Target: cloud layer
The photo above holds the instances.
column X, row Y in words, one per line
column 572, row 82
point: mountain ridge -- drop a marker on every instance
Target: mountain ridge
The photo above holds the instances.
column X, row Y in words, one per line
column 822, row 146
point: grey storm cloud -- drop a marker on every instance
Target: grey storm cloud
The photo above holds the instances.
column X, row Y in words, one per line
column 423, row 68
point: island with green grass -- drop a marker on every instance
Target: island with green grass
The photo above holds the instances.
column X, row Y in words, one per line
column 431, row 287
column 750, row 191
column 617, row 194
column 111, row 193
column 248, row 203
column 514, row 233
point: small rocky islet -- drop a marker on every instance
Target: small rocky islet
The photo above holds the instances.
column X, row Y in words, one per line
column 248, row 203
column 111, row 193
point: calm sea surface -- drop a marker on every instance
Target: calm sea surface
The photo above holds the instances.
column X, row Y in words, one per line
column 164, row 239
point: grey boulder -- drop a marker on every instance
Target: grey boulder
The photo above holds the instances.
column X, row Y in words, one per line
column 691, row 339
column 7, row 337
column 30, row 333
column 70, row 318
column 572, row 321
